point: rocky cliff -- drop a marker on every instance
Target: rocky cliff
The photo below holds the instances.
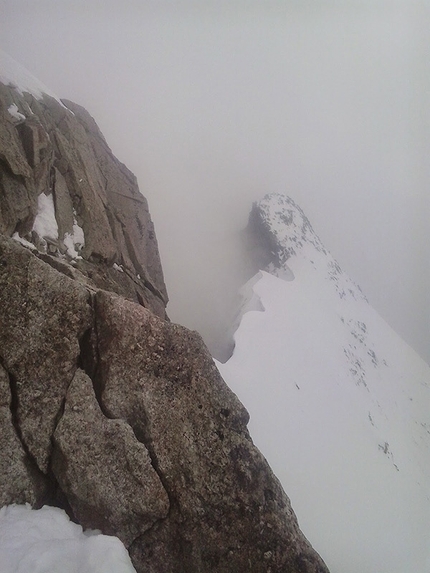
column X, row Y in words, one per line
column 107, row 409
column 65, row 192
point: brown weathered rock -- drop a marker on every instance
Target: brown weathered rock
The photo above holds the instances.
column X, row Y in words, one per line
column 229, row 512
column 43, row 314
column 104, row 471
column 59, row 150
column 16, row 477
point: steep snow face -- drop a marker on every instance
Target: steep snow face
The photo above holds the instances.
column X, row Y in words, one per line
column 11, row 72
column 339, row 404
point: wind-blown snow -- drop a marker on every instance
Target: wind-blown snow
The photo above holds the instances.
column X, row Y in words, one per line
column 46, row 541
column 11, row 72
column 45, row 223
column 339, row 405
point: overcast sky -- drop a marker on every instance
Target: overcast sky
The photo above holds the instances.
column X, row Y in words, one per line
column 213, row 104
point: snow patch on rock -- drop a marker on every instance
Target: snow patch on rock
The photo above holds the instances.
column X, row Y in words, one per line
column 45, row 224
column 75, row 241
column 119, row 268
column 23, row 242
column 14, row 112
column 45, row 540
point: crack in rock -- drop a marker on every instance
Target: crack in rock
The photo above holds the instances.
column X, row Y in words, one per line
column 20, row 477
column 89, row 360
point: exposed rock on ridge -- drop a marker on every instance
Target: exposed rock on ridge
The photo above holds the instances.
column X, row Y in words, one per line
column 54, row 154
column 123, row 418
column 280, row 236
column 106, row 409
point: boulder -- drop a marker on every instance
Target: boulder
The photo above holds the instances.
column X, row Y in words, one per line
column 43, row 315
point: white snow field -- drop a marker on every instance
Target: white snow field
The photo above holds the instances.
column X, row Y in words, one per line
column 339, row 405
column 46, row 541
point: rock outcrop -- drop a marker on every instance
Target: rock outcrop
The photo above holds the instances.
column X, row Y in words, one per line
column 122, row 418
column 278, row 231
column 107, row 409
column 65, row 192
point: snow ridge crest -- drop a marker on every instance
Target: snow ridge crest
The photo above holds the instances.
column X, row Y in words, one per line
column 294, row 245
column 288, row 223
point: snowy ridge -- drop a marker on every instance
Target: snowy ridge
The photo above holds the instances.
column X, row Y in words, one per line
column 339, row 405
column 298, row 246
column 11, row 72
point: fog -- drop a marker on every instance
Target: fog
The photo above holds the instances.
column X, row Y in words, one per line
column 213, row 104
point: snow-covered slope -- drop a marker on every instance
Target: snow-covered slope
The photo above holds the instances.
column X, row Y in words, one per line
column 339, row 404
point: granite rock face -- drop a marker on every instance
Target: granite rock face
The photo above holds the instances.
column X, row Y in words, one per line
column 16, row 480
column 107, row 409
column 43, row 315
column 64, row 191
column 122, row 418
column 105, row 472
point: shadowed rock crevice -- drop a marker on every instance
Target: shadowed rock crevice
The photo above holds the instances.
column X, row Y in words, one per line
column 88, row 359
column 14, row 408
column 36, row 476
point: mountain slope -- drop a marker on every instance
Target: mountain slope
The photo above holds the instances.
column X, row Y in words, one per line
column 339, row 403
column 107, row 409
